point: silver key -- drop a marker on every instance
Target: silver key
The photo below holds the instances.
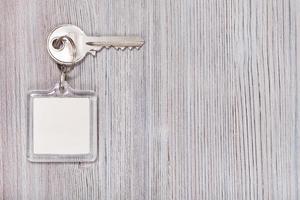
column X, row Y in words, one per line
column 68, row 44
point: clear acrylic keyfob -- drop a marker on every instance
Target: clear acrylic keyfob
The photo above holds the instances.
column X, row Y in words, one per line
column 62, row 125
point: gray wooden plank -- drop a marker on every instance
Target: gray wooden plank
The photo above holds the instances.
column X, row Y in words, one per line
column 296, row 5
column 207, row 109
column 2, row 107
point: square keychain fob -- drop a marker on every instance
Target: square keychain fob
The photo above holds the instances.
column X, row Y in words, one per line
column 62, row 125
column 62, row 121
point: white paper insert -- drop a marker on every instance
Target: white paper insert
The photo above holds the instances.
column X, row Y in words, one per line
column 61, row 125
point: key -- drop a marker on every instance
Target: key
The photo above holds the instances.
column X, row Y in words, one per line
column 68, row 44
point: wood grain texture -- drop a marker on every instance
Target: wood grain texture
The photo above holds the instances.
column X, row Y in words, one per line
column 207, row 109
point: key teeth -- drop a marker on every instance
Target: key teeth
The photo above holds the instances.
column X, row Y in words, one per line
column 93, row 52
column 130, row 48
column 124, row 48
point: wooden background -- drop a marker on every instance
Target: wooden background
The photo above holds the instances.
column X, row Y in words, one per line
column 207, row 109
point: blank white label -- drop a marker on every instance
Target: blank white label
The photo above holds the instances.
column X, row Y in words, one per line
column 61, row 125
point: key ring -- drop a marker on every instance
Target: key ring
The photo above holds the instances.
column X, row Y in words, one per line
column 64, row 69
column 50, row 137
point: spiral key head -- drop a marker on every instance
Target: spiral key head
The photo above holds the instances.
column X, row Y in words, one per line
column 66, row 51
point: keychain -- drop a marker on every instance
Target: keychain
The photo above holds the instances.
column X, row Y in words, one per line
column 62, row 121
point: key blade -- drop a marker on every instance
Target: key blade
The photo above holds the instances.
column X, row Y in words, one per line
column 118, row 42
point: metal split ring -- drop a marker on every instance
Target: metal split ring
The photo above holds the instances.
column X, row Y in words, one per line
column 64, row 69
